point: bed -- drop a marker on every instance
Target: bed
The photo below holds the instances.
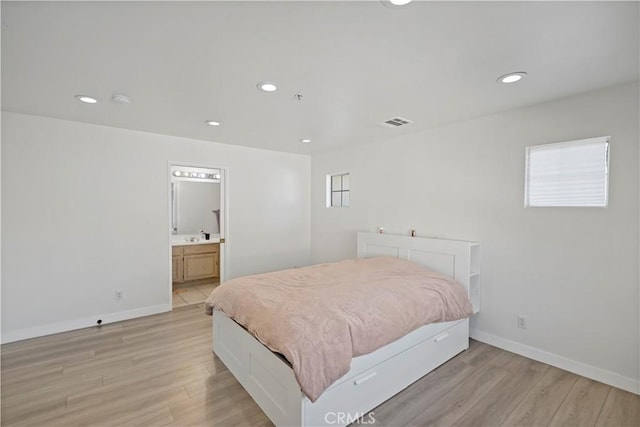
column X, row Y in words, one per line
column 372, row 378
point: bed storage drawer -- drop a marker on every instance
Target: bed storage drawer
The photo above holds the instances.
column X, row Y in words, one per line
column 364, row 391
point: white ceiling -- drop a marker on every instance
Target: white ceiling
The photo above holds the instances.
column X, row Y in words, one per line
column 355, row 63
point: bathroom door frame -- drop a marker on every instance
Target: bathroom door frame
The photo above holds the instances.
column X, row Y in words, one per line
column 224, row 226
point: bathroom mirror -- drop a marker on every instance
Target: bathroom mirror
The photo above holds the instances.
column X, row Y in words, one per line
column 195, row 200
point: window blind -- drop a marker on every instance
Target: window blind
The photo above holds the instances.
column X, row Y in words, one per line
column 574, row 173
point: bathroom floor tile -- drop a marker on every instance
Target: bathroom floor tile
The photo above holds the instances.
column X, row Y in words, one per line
column 207, row 289
column 177, row 301
column 193, row 296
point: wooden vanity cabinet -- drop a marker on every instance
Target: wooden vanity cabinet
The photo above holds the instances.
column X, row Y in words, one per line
column 195, row 262
column 177, row 264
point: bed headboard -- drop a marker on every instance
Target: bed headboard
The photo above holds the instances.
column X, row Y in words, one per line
column 455, row 258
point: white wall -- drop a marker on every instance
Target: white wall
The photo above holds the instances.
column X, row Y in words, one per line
column 572, row 272
column 85, row 212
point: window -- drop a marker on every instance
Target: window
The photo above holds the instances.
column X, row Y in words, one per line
column 338, row 190
column 574, row 173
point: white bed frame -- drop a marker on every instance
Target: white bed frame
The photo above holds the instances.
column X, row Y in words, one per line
column 373, row 378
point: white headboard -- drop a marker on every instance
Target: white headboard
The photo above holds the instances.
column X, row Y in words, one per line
column 458, row 259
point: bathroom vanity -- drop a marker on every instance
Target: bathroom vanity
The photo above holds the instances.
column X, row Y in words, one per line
column 194, row 261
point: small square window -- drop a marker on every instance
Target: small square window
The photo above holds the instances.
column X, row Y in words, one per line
column 574, row 173
column 338, row 190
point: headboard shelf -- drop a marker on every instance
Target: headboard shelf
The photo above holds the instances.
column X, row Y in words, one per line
column 458, row 259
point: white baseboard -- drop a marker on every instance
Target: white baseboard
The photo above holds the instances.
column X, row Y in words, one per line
column 70, row 325
column 592, row 372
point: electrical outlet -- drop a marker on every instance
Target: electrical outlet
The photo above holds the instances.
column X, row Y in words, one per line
column 522, row 322
column 118, row 295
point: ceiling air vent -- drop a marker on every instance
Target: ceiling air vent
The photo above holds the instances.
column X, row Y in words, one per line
column 396, row 122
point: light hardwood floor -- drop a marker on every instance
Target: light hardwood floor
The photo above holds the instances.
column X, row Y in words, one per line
column 159, row 370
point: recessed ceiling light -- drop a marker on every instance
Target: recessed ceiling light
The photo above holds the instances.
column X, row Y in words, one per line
column 212, row 123
column 267, row 86
column 394, row 4
column 86, row 99
column 305, row 140
column 511, row 77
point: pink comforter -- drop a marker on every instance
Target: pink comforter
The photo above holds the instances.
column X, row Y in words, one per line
column 320, row 317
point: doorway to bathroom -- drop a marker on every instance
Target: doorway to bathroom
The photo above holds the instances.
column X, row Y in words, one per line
column 197, row 231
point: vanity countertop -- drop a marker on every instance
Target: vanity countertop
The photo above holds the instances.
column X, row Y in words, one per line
column 187, row 242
